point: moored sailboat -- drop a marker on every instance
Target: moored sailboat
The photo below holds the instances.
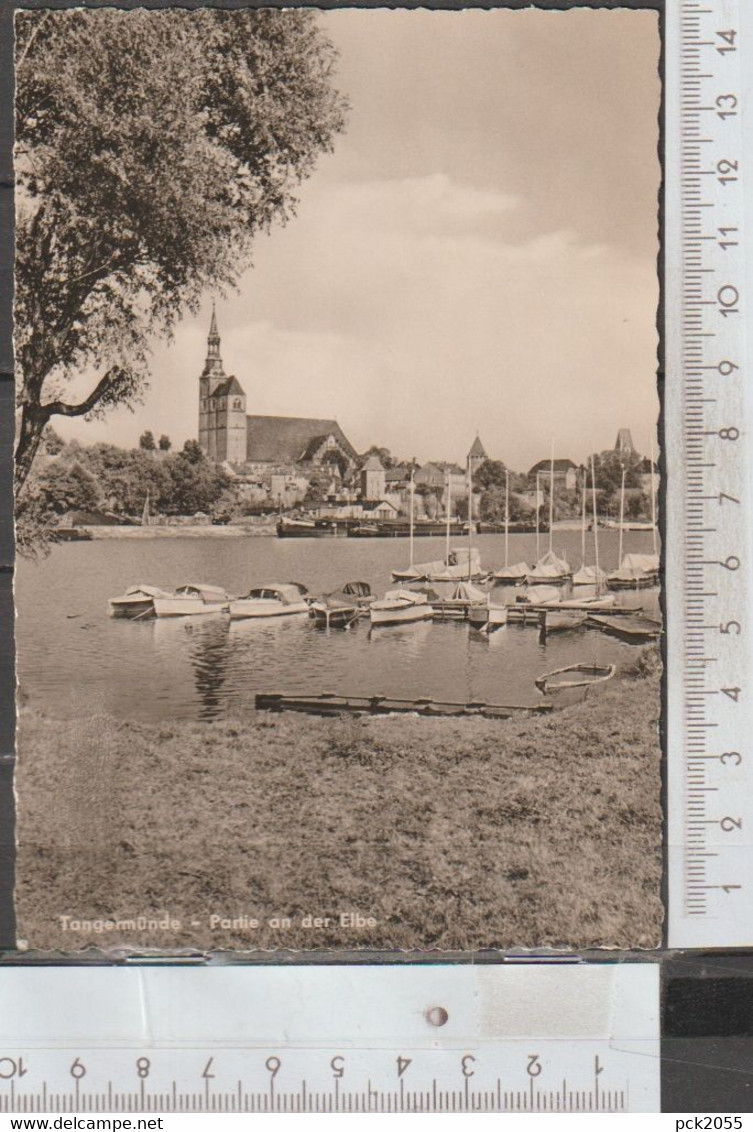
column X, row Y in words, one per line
column 400, row 607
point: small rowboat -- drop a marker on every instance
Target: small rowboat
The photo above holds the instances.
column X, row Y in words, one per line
column 575, row 676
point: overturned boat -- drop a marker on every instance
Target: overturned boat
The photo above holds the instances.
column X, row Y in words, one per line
column 636, row 630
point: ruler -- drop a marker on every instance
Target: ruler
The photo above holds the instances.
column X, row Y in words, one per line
column 546, row 1037
column 709, row 460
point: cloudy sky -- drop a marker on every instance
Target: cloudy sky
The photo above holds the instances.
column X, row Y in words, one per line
column 479, row 254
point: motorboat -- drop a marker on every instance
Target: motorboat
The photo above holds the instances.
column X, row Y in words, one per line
column 136, row 602
column 192, row 600
column 399, row 607
column 575, row 676
column 549, row 570
column 341, row 608
column 270, row 601
column 636, row 571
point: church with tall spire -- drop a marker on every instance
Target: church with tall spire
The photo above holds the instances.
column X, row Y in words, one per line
column 228, row 435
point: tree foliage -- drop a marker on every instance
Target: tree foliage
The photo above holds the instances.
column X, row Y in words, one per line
column 152, row 148
column 608, row 467
column 146, row 441
column 165, row 443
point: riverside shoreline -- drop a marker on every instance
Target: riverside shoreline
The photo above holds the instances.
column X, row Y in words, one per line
column 446, row 833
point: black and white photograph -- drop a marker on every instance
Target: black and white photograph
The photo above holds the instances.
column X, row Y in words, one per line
column 338, row 589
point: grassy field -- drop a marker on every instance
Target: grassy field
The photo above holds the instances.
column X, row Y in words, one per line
column 449, row 833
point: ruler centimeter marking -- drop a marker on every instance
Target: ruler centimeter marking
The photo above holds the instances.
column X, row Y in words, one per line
column 436, row 1097
column 506, row 1038
column 708, row 463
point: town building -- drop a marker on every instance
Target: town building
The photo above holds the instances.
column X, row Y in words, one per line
column 373, row 479
column 565, row 473
column 259, row 444
column 624, row 442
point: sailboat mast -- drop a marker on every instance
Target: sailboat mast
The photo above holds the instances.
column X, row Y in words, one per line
column 622, row 516
column 596, row 522
column 538, row 497
column 412, row 504
column 653, row 496
column 448, row 496
column 470, row 517
column 507, row 516
column 584, row 494
column 551, row 497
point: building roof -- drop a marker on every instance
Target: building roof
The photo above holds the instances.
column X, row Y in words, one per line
column 228, row 386
column 373, row 464
column 283, row 440
column 559, row 466
column 624, row 441
column 477, row 449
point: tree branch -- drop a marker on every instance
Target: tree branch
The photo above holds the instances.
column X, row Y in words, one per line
column 60, row 408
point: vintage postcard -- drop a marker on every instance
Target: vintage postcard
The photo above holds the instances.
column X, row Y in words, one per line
column 338, row 590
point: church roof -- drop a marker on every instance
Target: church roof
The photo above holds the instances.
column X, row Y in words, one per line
column 624, row 441
column 373, row 464
column 285, row 440
column 228, row 386
column 545, row 465
column 477, row 448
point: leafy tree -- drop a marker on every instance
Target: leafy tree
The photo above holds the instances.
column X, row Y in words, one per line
column 490, row 474
column 194, row 130
column 165, row 443
column 53, row 442
column 608, row 467
column 319, row 484
column 193, row 452
column 384, row 455
column 146, row 441
column 492, row 507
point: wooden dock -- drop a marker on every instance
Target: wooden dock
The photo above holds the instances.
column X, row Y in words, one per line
column 330, row 704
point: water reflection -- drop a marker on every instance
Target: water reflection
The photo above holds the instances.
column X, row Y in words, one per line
column 73, row 657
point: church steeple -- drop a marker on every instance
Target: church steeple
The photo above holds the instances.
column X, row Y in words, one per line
column 213, row 367
column 213, row 341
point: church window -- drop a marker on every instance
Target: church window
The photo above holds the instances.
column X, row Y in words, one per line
column 237, row 403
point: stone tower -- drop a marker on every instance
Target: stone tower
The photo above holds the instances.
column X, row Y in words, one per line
column 373, row 479
column 222, row 406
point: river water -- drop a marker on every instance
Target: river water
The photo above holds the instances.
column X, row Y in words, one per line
column 75, row 660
